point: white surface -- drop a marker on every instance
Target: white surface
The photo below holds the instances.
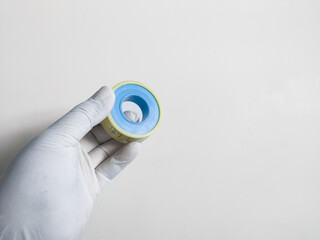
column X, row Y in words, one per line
column 237, row 155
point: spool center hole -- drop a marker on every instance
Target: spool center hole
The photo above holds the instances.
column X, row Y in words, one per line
column 134, row 109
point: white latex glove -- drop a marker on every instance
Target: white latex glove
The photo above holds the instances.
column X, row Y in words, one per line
column 48, row 189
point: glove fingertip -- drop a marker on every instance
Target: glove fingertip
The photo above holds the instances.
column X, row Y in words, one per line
column 104, row 94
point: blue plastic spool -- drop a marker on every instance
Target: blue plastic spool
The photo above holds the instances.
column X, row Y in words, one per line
column 124, row 130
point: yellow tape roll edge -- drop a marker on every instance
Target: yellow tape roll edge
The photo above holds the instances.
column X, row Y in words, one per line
column 119, row 134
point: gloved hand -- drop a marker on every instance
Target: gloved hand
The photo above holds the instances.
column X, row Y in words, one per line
column 48, row 189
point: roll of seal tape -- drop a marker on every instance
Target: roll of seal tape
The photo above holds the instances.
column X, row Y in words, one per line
column 128, row 126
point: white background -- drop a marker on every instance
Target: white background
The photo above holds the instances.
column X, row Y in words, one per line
column 238, row 153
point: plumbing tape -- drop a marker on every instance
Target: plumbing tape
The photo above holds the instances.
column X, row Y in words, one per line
column 119, row 127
